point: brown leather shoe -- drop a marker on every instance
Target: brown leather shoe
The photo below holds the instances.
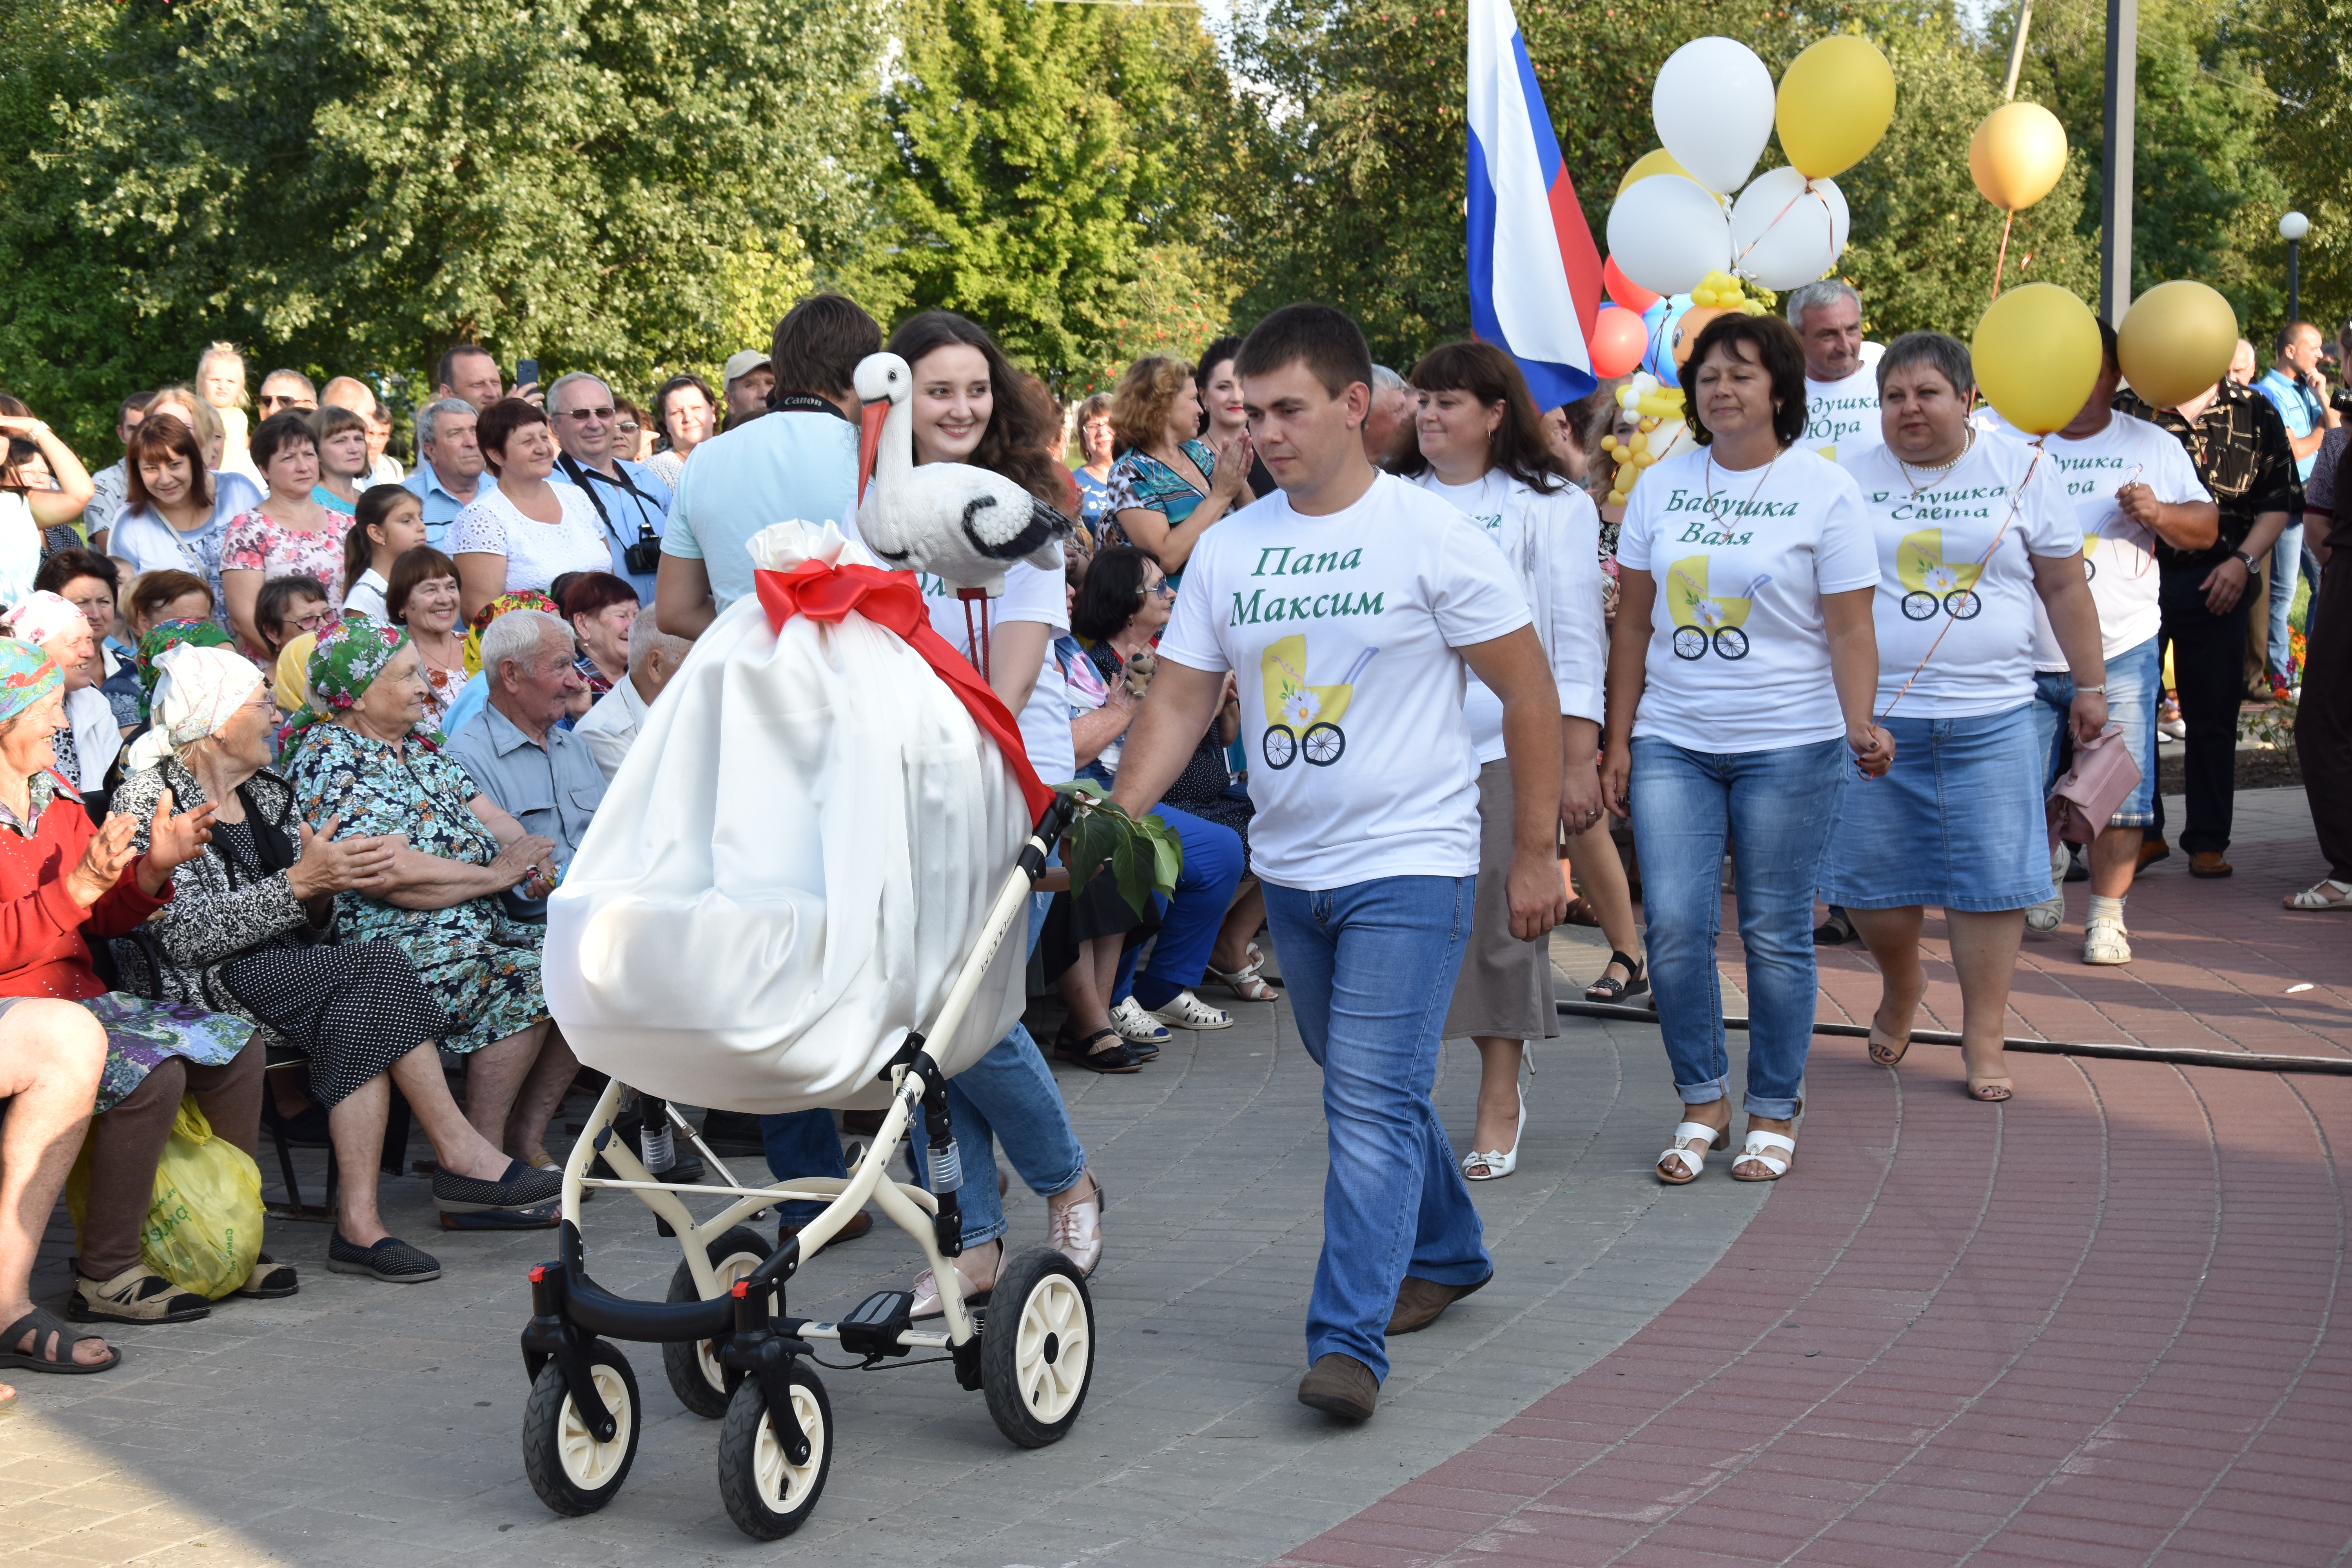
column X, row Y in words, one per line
column 1340, row 1385
column 1419, row 1301
column 2209, row 863
column 2150, row 852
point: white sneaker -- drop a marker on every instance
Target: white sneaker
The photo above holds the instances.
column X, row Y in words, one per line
column 1134, row 1024
column 2103, row 942
column 2048, row 915
column 1186, row 1011
column 2059, row 861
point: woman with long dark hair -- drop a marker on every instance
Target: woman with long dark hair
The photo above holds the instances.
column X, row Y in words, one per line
column 972, row 406
column 1481, row 448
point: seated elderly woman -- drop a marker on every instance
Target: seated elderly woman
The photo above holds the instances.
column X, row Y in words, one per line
column 51, row 1054
column 86, row 744
column 367, row 771
column 243, row 934
column 155, row 1052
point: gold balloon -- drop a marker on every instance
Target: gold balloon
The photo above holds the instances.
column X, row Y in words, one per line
column 1656, row 160
column 2017, row 155
column 2176, row 341
column 2037, row 356
column 1836, row 101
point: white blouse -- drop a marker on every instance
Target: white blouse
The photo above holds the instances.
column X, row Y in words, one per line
column 537, row 553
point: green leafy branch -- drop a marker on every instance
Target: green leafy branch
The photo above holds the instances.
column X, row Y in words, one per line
column 1143, row 853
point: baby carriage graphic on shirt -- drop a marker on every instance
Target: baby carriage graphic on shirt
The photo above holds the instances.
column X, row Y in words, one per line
column 1300, row 717
column 1705, row 619
column 1930, row 582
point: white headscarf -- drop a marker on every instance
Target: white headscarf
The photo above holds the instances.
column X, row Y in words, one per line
column 196, row 690
column 42, row 615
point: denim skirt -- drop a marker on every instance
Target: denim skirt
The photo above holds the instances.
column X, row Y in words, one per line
column 1957, row 821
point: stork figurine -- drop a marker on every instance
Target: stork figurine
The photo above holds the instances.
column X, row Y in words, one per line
column 966, row 524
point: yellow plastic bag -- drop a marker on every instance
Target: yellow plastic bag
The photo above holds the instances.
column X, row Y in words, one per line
column 203, row 1228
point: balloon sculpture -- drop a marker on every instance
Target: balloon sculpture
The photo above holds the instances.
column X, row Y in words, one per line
column 2016, row 158
column 1651, row 397
column 2176, row 341
column 1715, row 107
column 1658, row 424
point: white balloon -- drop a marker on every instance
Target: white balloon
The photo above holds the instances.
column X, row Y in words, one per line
column 1787, row 231
column 1713, row 106
column 1667, row 233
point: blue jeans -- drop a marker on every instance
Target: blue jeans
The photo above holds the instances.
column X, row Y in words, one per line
column 802, row 1144
column 1370, row 971
column 1775, row 809
column 1008, row 1096
column 2286, row 561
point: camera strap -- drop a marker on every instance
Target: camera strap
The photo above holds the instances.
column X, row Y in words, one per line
column 585, row 478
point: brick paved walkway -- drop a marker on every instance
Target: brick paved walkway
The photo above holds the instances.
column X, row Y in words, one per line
column 2093, row 1327
column 2096, row 1326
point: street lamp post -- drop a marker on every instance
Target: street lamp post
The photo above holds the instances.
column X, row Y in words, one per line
column 2292, row 228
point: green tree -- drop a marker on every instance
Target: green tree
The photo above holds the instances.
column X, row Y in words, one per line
column 69, row 345
column 1924, row 242
column 1055, row 163
column 2307, row 47
column 357, row 185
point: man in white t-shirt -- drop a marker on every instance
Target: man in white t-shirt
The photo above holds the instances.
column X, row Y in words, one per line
column 1350, row 608
column 2132, row 484
column 1840, row 391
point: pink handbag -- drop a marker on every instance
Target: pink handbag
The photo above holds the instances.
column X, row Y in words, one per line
column 2105, row 772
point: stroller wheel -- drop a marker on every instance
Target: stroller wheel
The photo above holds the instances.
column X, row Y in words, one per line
column 570, row 1470
column 692, row 1366
column 1036, row 1353
column 767, row 1495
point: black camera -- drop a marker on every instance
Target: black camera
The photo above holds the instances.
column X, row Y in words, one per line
column 644, row 555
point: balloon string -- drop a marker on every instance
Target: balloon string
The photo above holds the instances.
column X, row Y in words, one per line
column 1784, row 212
column 2001, row 258
column 2016, row 498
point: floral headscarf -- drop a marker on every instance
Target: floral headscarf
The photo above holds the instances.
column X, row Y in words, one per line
column 42, row 615
column 172, row 633
column 522, row 599
column 348, row 659
column 198, row 690
column 27, row 675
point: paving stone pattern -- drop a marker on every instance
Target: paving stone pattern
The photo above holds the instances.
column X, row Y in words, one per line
column 361, row 1422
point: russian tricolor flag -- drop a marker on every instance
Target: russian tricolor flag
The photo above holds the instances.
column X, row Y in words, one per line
column 1534, row 274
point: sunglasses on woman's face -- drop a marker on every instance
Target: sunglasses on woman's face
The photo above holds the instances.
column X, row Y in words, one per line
column 1164, row 588
column 321, row 617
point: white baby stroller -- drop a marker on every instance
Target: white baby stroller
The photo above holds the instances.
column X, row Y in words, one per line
column 797, row 894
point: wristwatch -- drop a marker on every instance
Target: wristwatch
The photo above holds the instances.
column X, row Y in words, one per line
column 2251, row 565
column 2101, row 689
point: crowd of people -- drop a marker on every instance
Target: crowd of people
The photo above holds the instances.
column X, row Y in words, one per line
column 295, row 740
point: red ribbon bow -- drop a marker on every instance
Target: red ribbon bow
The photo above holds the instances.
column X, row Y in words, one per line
column 891, row 599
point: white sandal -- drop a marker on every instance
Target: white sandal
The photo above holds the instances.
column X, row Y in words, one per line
column 1494, row 1164
column 1758, row 1150
column 2316, row 896
column 1245, row 981
column 1692, row 1161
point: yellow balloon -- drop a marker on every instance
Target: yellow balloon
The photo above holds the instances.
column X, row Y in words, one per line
column 2037, row 355
column 2176, row 341
column 1656, row 160
column 2017, row 155
column 1836, row 101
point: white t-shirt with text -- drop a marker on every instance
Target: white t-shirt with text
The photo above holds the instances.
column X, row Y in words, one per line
column 1342, row 631
column 1031, row 593
column 1551, row 543
column 1738, row 659
column 1842, row 416
column 2117, row 553
column 1941, row 575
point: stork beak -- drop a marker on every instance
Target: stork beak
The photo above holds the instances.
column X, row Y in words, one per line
column 869, row 440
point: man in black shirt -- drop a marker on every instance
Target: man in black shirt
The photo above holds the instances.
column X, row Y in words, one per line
column 2240, row 445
